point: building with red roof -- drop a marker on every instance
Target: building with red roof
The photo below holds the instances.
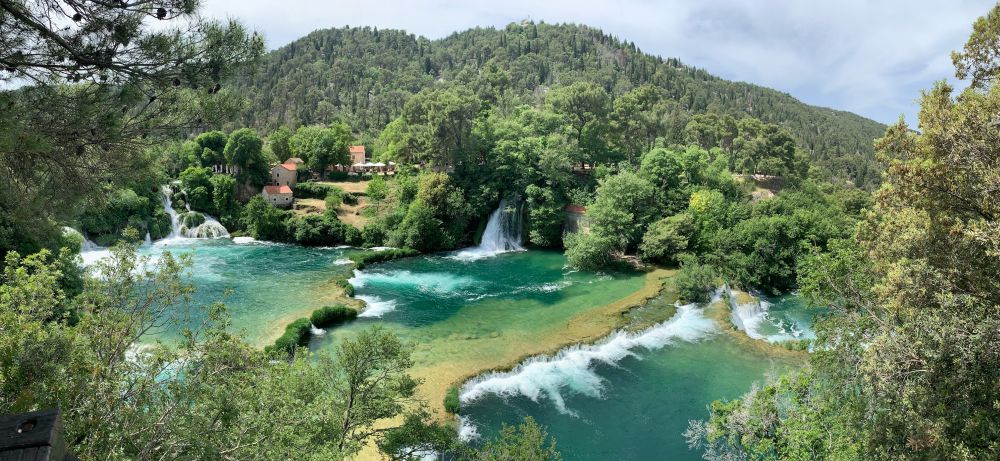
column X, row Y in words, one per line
column 285, row 174
column 278, row 195
column 357, row 154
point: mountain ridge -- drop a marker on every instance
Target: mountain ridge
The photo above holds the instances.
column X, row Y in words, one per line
column 363, row 75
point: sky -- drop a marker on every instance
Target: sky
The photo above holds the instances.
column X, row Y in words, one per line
column 868, row 57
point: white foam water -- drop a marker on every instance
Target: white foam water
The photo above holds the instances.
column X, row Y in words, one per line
column 748, row 316
column 502, row 234
column 210, row 229
column 316, row 331
column 572, row 369
column 342, row 261
column 375, row 306
column 437, row 282
column 467, row 430
column 243, row 240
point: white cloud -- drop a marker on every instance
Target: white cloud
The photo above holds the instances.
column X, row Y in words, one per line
column 868, row 57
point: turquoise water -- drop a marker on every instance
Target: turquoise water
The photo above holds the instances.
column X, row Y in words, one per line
column 789, row 318
column 644, row 406
column 628, row 397
column 429, row 289
column 260, row 283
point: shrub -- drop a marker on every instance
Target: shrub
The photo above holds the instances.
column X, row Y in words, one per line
column 338, row 176
column 369, row 257
column 320, row 230
column 333, row 200
column 159, row 225
column 589, row 251
column 296, row 335
column 667, row 238
column 346, row 286
column 312, row 189
column 451, row 402
column 192, row 219
column 694, row 281
column 348, row 198
column 327, row 316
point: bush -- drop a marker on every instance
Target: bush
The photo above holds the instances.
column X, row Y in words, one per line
column 667, row 238
column 192, row 219
column 333, row 200
column 159, row 225
column 369, row 257
column 346, row 286
column 312, row 189
column 451, row 402
column 348, row 198
column 327, row 316
column 338, row 176
column 589, row 251
column 694, row 281
column 319, row 230
column 296, row 335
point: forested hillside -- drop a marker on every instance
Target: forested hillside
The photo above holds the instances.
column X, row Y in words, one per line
column 363, row 76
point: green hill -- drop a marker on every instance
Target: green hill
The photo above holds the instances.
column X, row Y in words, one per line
column 364, row 75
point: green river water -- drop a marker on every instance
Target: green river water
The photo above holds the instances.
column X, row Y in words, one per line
column 628, row 396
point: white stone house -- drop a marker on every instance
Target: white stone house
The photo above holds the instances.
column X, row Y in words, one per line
column 279, row 196
column 285, row 174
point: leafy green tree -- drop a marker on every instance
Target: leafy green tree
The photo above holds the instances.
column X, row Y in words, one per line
column 374, row 384
column 667, row 238
column 639, row 117
column 197, row 183
column 545, row 216
column 711, row 130
column 589, row 251
column 213, row 145
column 320, row 146
column 435, row 127
column 377, row 190
column 584, row 107
column 695, row 281
column 224, row 203
column 244, row 150
column 420, row 229
column 664, row 168
column 263, row 221
column 762, row 148
column 525, row 442
column 914, row 299
column 625, row 205
column 94, row 84
column 278, row 140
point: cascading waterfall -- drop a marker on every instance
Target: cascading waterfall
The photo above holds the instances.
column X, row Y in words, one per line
column 573, row 369
column 748, row 315
column 209, row 229
column 502, row 233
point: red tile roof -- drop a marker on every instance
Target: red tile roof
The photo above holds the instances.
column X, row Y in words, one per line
column 574, row 208
column 274, row 190
column 290, row 166
column 357, row 149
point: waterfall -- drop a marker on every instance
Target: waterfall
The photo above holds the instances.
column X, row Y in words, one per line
column 175, row 219
column 502, row 233
column 749, row 314
column 209, row 229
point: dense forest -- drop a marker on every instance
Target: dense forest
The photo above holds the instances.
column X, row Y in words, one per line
column 364, row 76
